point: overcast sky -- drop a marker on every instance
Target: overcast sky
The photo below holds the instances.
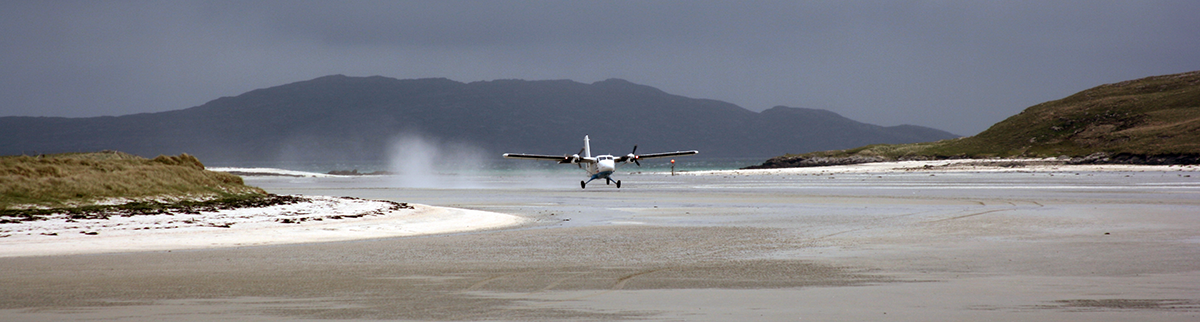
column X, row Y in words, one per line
column 959, row 66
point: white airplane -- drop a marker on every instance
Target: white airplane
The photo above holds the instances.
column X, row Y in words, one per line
column 600, row 167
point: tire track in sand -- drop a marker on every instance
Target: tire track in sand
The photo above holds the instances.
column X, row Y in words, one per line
column 619, row 285
column 969, row 215
column 481, row 284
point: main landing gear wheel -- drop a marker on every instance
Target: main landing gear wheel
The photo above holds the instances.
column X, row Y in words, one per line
column 618, row 184
column 582, row 184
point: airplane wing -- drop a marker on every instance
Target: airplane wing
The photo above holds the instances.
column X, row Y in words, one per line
column 559, row 158
column 625, row 158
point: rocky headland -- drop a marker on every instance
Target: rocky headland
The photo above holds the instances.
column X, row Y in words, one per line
column 801, row 161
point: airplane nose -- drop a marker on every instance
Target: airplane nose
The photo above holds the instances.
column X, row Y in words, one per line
column 607, row 165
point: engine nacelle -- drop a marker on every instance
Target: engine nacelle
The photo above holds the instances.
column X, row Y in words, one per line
column 574, row 158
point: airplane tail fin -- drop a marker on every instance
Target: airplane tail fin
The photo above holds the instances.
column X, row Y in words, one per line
column 587, row 147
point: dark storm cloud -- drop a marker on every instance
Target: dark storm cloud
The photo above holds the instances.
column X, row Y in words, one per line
column 959, row 66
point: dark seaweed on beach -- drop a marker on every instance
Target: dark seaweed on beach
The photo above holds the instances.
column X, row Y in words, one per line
column 149, row 208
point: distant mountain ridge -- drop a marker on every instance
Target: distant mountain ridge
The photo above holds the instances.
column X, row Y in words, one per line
column 356, row 118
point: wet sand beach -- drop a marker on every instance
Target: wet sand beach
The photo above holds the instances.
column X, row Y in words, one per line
column 1028, row 244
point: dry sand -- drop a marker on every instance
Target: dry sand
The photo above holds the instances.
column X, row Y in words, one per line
column 322, row 219
column 868, row 245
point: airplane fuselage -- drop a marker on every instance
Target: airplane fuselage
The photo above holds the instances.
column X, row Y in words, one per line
column 602, row 168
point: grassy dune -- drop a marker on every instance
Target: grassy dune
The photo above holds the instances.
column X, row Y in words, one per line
column 1153, row 116
column 80, row 179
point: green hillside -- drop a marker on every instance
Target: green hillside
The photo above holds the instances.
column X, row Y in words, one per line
column 79, row 179
column 1148, row 117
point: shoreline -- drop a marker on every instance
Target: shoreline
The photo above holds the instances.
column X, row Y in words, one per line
column 998, row 165
column 322, row 219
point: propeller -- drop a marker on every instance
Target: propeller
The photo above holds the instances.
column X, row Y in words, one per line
column 633, row 156
column 575, row 158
